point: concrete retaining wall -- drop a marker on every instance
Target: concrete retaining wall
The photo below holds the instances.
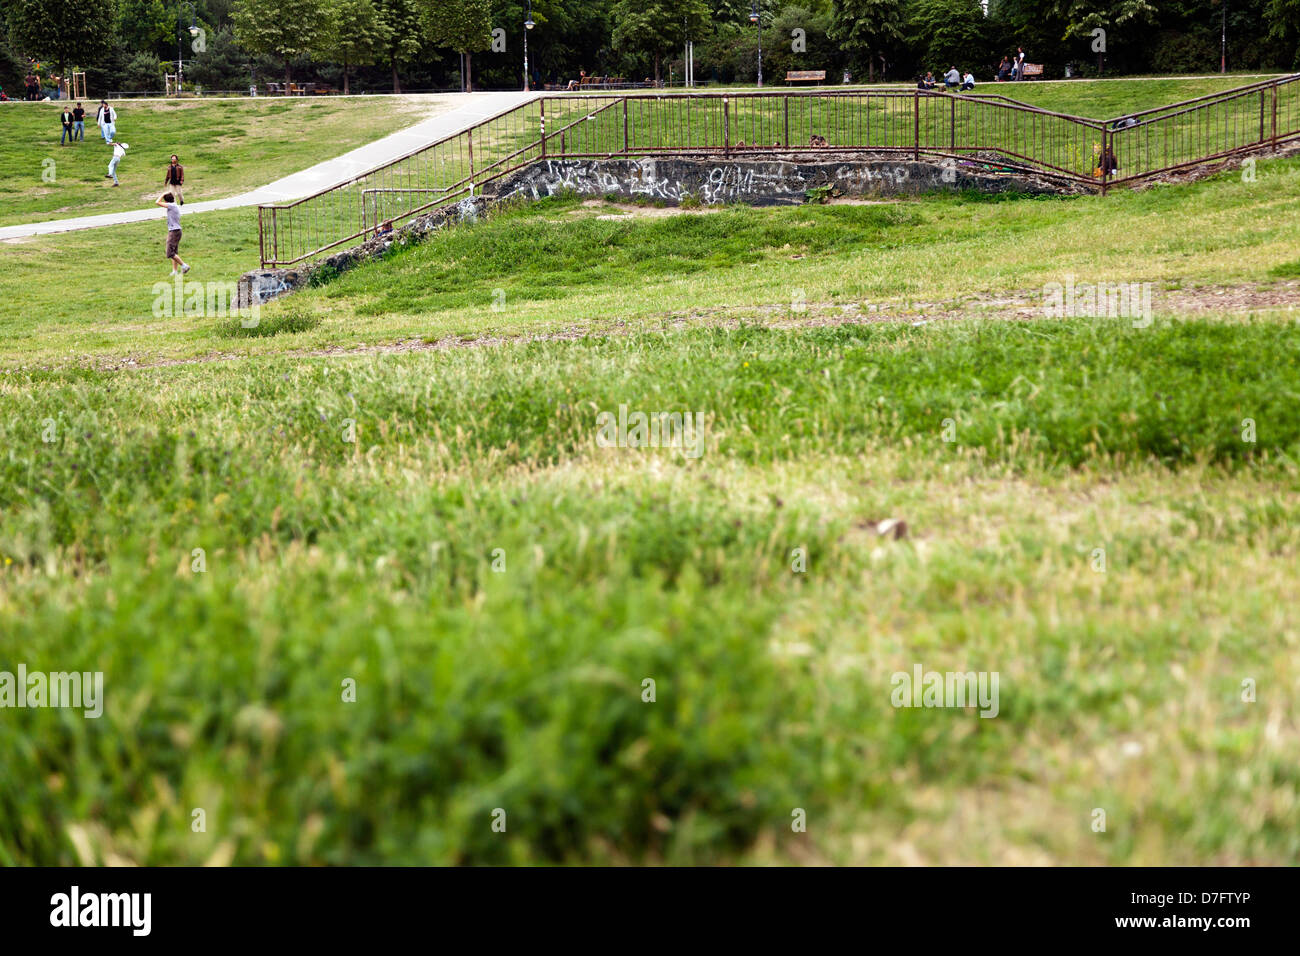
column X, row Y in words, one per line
column 761, row 182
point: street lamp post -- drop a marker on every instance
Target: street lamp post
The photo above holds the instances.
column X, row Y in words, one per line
column 180, row 38
column 754, row 19
column 528, row 25
column 1223, row 37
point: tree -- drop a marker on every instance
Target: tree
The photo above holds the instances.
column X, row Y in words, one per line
column 144, row 73
column 656, row 26
column 71, row 33
column 403, row 22
column 148, row 26
column 1283, row 18
column 1113, row 17
column 283, row 29
column 359, row 36
column 948, row 32
column 461, row 25
column 867, row 29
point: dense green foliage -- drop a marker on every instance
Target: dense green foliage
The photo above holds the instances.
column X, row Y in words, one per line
column 423, row 44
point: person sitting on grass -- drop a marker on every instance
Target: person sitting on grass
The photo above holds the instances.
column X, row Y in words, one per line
column 385, row 228
column 952, row 79
column 928, row 83
column 168, row 202
column 968, row 81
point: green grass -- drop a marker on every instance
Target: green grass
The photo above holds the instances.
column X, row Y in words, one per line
column 522, row 688
column 233, row 539
column 558, row 264
column 227, row 147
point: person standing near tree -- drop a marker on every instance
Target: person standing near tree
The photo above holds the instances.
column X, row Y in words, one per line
column 174, row 179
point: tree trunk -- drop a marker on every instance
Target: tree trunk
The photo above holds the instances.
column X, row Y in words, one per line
column 871, row 69
column 287, row 81
column 656, row 69
column 345, row 77
column 397, row 84
column 469, row 72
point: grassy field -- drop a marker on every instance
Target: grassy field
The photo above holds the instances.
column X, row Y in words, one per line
column 365, row 577
column 227, row 147
column 563, row 264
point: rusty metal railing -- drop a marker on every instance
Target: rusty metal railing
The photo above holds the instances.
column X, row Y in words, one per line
column 912, row 123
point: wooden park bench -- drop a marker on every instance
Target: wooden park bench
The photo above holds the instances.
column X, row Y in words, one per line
column 805, row 76
column 1033, row 69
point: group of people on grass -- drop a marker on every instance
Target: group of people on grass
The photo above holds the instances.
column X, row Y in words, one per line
column 1011, row 68
column 952, row 80
column 74, row 123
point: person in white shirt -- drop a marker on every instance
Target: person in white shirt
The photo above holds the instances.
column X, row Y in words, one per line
column 106, row 116
column 968, row 81
column 119, row 150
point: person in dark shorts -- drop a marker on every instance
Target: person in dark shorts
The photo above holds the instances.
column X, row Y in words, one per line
column 168, row 202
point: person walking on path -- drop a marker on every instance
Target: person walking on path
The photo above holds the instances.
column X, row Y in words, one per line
column 79, row 124
column 119, row 150
column 174, row 179
column 168, row 202
column 67, row 121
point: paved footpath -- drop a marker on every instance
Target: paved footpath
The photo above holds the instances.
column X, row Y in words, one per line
column 474, row 108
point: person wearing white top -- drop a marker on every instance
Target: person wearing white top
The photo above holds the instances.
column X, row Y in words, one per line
column 119, row 150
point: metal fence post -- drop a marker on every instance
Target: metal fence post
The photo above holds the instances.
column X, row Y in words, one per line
column 626, row 143
column 1106, row 144
column 275, row 236
column 726, row 126
column 916, row 125
column 542, row 104
column 786, row 100
column 1274, row 137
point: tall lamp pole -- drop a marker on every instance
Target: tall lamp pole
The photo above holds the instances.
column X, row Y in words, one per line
column 528, row 25
column 1223, row 38
column 754, row 19
column 180, row 37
